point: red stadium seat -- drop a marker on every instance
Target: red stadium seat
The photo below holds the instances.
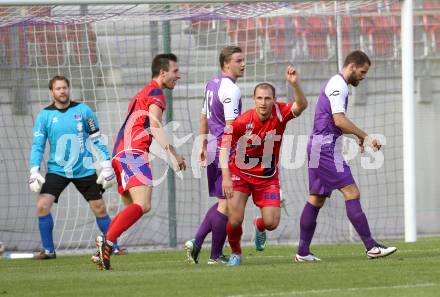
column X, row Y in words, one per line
column 244, row 33
column 275, row 29
column 82, row 44
column 201, row 25
column 381, row 31
column 49, row 43
column 315, row 31
column 5, row 46
column 347, row 27
column 431, row 22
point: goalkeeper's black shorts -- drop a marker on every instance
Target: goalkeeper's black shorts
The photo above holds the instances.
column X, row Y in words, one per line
column 87, row 186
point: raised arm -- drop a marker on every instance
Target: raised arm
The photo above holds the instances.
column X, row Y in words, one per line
column 300, row 103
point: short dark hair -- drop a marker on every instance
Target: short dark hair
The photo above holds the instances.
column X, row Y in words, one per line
column 162, row 62
column 264, row 85
column 58, row 77
column 359, row 58
column 226, row 54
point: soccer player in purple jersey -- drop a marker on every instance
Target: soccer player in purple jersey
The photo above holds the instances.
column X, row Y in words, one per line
column 221, row 106
column 327, row 169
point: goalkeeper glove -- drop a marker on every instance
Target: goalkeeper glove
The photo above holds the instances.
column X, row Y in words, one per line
column 107, row 176
column 36, row 180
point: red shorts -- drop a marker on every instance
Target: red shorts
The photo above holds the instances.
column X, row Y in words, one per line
column 132, row 169
column 264, row 191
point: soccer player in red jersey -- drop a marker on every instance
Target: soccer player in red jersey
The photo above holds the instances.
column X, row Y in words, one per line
column 130, row 154
column 253, row 167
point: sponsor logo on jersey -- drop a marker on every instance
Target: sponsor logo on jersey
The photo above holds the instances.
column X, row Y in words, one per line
column 92, row 125
column 271, row 196
column 227, row 100
column 79, row 126
column 54, row 120
column 335, row 93
column 38, row 134
column 235, row 177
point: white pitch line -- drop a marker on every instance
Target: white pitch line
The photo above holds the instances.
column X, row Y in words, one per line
column 296, row 293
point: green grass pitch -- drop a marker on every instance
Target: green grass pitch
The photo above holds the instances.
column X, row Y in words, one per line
column 414, row 270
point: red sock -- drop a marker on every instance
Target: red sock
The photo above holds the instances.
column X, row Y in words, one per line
column 125, row 219
column 113, row 222
column 234, row 237
column 259, row 223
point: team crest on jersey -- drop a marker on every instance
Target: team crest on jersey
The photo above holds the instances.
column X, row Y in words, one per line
column 77, row 117
column 249, row 129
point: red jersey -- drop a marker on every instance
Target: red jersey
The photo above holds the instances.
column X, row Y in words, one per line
column 135, row 132
column 258, row 143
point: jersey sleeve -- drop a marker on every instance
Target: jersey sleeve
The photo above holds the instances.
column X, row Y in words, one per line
column 39, row 139
column 232, row 134
column 336, row 92
column 156, row 97
column 92, row 128
column 286, row 111
column 230, row 97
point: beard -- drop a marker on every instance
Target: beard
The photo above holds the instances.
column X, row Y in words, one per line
column 169, row 86
column 353, row 81
column 63, row 99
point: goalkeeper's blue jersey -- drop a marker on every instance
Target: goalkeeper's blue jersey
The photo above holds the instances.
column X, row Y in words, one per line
column 70, row 133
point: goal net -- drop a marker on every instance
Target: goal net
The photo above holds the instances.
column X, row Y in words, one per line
column 106, row 52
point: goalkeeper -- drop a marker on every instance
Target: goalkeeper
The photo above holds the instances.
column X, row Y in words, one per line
column 70, row 128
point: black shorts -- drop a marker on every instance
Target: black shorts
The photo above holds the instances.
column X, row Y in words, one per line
column 87, row 186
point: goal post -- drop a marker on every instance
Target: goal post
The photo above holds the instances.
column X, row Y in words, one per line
column 106, row 47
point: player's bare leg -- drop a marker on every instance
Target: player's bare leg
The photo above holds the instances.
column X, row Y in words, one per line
column 360, row 223
column 236, row 209
column 307, row 228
